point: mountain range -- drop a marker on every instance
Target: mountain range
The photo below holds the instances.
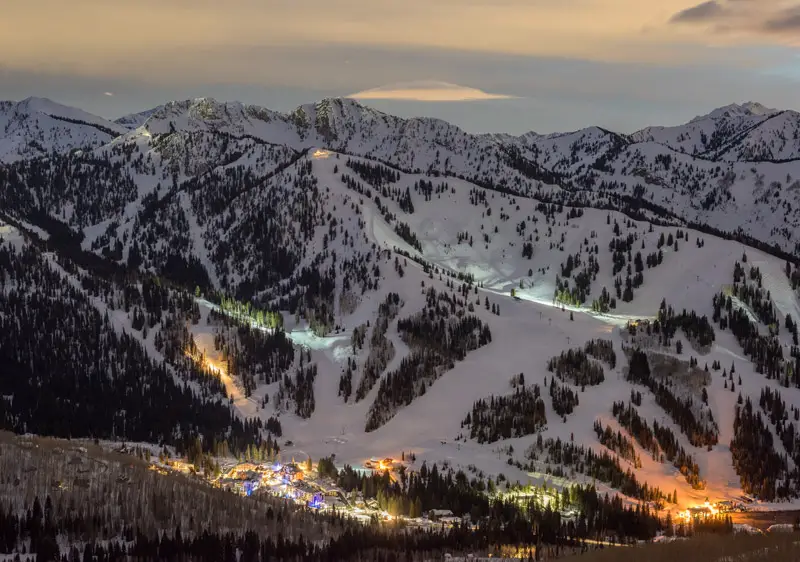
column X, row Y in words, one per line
column 363, row 285
column 734, row 169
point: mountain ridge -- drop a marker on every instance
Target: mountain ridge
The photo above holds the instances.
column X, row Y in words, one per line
column 710, row 168
column 37, row 126
column 207, row 111
column 392, row 277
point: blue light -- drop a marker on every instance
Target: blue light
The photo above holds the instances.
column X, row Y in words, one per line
column 316, row 502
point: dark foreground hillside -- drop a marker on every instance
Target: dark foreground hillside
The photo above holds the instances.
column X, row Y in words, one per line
column 72, row 500
column 781, row 547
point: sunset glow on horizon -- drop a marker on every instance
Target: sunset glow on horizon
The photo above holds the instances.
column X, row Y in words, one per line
column 135, row 55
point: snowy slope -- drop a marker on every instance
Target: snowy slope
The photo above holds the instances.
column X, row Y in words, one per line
column 571, row 153
column 420, row 144
column 735, row 133
column 731, row 168
column 37, row 126
column 525, row 334
column 136, row 120
column 706, row 133
column 775, row 138
column 317, row 211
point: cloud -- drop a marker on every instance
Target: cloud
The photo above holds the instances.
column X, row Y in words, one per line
column 555, row 94
column 430, row 90
column 191, row 29
column 764, row 21
column 785, row 21
column 702, row 12
column 356, row 44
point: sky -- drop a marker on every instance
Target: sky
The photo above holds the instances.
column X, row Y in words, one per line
column 485, row 65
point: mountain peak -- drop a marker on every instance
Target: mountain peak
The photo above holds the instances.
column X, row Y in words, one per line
column 34, row 104
column 756, row 108
column 345, row 105
column 36, row 107
column 36, row 126
column 735, row 110
column 202, row 113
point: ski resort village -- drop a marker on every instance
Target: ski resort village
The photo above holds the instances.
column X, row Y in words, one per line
column 343, row 334
column 308, row 485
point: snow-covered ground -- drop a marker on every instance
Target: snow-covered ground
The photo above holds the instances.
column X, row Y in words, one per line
column 10, row 234
column 36, row 127
column 528, row 331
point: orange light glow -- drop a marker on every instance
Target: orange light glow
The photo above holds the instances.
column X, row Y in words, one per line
column 209, row 364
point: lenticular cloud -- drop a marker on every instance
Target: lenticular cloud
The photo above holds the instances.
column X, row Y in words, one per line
column 427, row 90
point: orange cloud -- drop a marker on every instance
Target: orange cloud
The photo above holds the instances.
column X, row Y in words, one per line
column 427, row 91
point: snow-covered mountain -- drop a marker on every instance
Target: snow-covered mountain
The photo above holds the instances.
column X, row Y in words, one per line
column 735, row 110
column 570, row 154
column 391, row 248
column 734, row 133
column 419, row 144
column 36, row 126
column 730, row 169
column 135, row 120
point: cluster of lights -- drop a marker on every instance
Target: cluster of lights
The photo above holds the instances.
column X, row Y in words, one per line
column 211, row 366
column 705, row 510
column 382, row 465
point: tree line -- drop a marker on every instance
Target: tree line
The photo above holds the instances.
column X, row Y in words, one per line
column 73, row 374
column 660, row 442
column 681, row 410
column 575, row 366
column 503, row 417
column 438, row 337
column 559, row 456
column 381, row 350
column 762, row 471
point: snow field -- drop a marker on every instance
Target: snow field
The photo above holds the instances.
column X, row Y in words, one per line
column 525, row 335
